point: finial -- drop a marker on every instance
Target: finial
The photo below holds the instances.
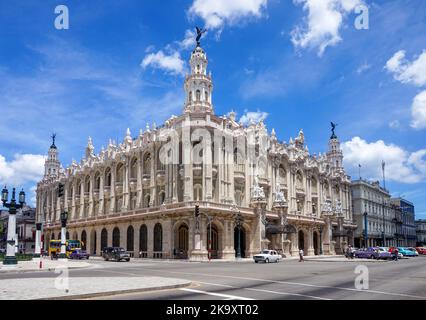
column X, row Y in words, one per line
column 333, row 127
column 200, row 33
column 128, row 132
column 140, row 132
column 147, row 127
column 154, row 126
column 53, row 141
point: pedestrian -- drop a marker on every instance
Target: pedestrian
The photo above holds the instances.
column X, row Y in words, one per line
column 301, row 259
column 395, row 253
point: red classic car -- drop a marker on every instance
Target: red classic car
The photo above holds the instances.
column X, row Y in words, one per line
column 421, row 250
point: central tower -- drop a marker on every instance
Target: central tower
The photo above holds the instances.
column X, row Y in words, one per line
column 198, row 84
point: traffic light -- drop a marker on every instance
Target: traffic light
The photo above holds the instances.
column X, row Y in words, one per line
column 197, row 211
column 61, row 190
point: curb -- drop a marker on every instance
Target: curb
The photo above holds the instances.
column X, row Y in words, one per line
column 112, row 293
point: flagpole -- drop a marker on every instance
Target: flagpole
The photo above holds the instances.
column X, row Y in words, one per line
column 383, row 170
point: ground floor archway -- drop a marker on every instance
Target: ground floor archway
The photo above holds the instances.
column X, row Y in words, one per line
column 93, row 241
column 213, row 241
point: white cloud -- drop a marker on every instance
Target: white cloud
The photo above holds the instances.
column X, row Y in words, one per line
column 322, row 26
column 23, row 169
column 362, row 68
column 189, row 40
column 418, row 111
column 395, row 124
column 254, row 116
column 169, row 63
column 401, row 165
column 408, row 72
column 217, row 13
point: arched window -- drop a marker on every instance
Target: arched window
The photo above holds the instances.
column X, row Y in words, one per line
column 130, row 238
column 198, row 95
column 108, row 177
column 147, row 200
column 162, row 197
column 116, row 237
column 190, row 96
column 147, row 164
column 120, row 172
column 158, row 238
column 134, row 169
column 206, row 96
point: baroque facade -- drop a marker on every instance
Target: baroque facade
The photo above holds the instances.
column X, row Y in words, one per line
column 140, row 194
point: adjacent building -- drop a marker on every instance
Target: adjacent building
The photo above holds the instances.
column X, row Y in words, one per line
column 141, row 193
column 377, row 219
column 421, row 232
column 25, row 229
column 408, row 221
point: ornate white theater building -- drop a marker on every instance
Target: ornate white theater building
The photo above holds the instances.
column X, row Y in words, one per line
column 252, row 190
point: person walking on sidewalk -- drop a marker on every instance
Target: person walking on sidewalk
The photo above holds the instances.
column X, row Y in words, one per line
column 301, row 259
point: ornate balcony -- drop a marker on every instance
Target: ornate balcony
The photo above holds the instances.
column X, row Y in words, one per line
column 107, row 191
column 197, row 169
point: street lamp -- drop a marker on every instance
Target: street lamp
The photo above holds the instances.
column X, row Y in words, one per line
column 11, row 230
column 320, row 247
column 238, row 220
column 64, row 218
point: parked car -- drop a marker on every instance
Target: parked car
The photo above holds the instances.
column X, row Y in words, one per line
column 368, row 253
column 79, row 254
column 115, row 253
column 267, row 256
column 406, row 253
column 384, row 253
column 413, row 250
column 421, row 250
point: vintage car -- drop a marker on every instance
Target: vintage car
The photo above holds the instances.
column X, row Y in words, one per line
column 369, row 253
column 413, row 250
column 406, row 252
column 79, row 254
column 115, row 253
column 421, row 250
column 383, row 253
column 267, row 256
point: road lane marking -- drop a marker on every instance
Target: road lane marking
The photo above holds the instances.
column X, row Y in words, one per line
column 298, row 284
column 266, row 291
column 229, row 297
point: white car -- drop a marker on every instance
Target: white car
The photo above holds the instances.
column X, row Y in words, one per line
column 267, row 256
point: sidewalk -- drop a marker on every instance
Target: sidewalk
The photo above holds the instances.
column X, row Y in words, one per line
column 65, row 288
column 47, row 265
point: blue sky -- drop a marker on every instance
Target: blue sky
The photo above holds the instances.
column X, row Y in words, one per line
column 299, row 64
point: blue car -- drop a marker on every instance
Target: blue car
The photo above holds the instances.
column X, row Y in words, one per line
column 405, row 252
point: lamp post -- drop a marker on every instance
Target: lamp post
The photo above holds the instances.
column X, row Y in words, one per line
column 10, row 259
column 365, row 229
column 238, row 223
column 64, row 218
column 37, row 252
column 320, row 247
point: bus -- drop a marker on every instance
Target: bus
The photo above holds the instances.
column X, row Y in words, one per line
column 70, row 246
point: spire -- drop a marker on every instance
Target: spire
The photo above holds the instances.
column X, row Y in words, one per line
column 89, row 148
column 52, row 164
column 198, row 85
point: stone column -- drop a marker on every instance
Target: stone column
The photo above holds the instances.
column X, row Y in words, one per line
column 228, row 247
column 126, row 196
column 310, row 235
column 73, row 210
column 83, row 185
column 207, row 172
column 91, row 199
column 112, row 190
column 187, row 163
column 139, row 182
column 101, row 193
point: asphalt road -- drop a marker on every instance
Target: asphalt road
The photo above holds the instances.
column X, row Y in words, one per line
column 318, row 280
